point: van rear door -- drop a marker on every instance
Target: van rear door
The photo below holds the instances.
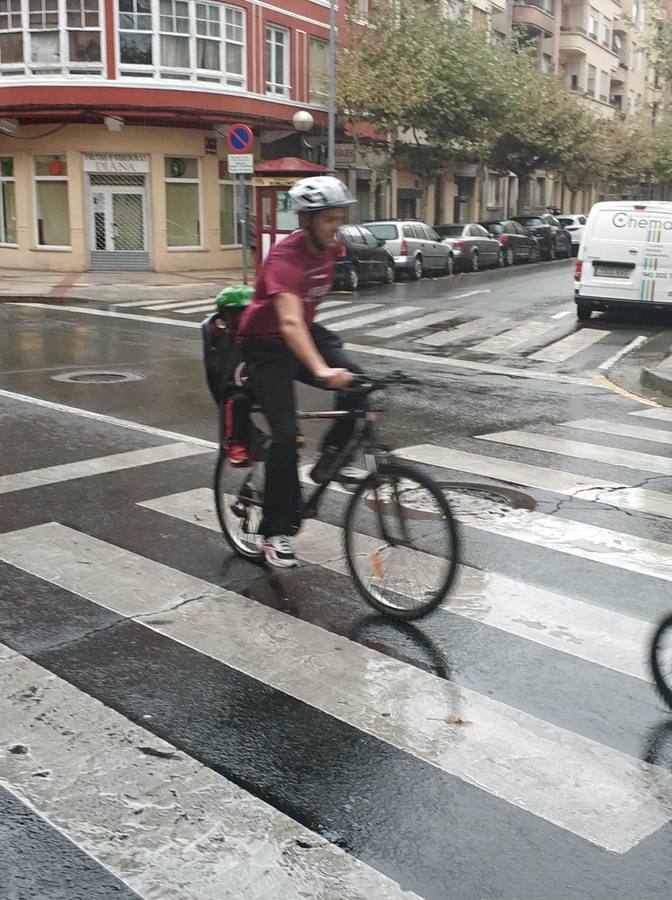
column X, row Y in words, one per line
column 627, row 253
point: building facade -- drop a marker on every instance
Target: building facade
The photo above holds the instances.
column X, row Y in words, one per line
column 113, row 116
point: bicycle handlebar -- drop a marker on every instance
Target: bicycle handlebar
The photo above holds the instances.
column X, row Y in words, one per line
column 370, row 383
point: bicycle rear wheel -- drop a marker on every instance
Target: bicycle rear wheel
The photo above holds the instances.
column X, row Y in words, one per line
column 401, row 542
column 239, row 494
column 660, row 659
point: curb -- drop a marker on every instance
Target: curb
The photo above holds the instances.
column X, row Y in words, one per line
column 40, row 298
column 660, row 378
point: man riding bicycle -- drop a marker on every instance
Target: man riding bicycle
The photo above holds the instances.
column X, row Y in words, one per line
column 282, row 344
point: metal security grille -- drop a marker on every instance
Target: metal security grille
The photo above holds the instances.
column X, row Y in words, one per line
column 118, row 228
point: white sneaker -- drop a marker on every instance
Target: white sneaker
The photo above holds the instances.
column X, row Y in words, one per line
column 278, row 552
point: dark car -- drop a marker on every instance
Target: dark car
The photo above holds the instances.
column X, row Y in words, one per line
column 362, row 257
column 554, row 239
column 473, row 247
column 517, row 242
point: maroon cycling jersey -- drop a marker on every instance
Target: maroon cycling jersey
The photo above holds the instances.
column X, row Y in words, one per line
column 288, row 269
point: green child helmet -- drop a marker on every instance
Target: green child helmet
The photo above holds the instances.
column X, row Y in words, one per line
column 234, row 296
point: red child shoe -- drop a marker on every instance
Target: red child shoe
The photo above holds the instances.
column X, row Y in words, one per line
column 238, row 456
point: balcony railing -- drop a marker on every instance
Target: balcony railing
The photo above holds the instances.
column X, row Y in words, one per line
column 573, row 28
column 546, row 5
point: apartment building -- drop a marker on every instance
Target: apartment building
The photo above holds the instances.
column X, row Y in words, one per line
column 112, row 122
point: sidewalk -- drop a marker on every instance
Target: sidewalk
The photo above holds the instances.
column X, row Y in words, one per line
column 113, row 287
column 660, row 376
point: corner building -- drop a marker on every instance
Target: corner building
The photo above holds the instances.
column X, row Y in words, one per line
column 112, row 122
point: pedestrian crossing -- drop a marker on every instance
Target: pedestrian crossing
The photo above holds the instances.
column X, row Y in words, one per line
column 549, row 341
column 199, row 714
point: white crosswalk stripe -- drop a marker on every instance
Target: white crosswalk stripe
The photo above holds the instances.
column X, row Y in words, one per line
column 546, row 479
column 410, row 325
column 598, row 635
column 622, row 429
column 514, row 337
column 360, row 321
column 194, row 835
column 441, row 338
column 576, row 783
column 564, row 349
column 344, row 309
column 613, row 456
column 662, row 415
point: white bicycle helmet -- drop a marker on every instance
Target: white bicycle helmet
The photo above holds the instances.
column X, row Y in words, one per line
column 320, row 192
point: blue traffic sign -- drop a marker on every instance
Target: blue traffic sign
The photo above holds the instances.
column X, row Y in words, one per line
column 239, row 138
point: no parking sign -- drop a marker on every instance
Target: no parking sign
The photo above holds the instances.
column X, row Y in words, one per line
column 239, row 138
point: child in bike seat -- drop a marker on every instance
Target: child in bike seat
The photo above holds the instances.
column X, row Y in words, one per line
column 224, row 372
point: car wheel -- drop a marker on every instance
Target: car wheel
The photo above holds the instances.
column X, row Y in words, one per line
column 501, row 260
column 535, row 253
column 583, row 312
column 568, row 252
column 418, row 269
column 552, row 252
column 352, row 281
column 449, row 265
column 510, row 256
column 389, row 272
column 474, row 261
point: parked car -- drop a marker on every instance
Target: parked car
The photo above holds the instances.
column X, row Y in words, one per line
column 575, row 225
column 554, row 240
column 362, row 257
column 416, row 247
column 473, row 248
column 519, row 245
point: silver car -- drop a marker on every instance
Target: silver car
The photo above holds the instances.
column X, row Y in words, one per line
column 416, row 247
column 473, row 247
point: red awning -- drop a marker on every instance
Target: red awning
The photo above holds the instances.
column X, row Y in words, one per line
column 289, row 165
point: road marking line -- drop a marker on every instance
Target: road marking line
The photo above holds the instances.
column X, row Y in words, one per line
column 188, row 827
column 422, row 358
column 392, row 312
column 441, row 338
column 87, row 468
column 655, row 435
column 344, row 310
column 426, row 360
column 591, row 633
column 561, row 315
column 414, row 324
column 147, row 304
column 110, row 420
column 205, row 307
column 183, row 304
column 565, row 348
column 613, row 456
column 574, row 782
column 514, row 337
column 663, row 415
column 608, row 363
column 505, row 470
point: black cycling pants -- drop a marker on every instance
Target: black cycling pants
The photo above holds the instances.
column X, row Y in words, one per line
column 272, row 369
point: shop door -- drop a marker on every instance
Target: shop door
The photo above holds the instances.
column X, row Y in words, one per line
column 118, row 228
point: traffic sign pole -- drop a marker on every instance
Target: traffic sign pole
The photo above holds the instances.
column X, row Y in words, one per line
column 242, row 218
column 239, row 139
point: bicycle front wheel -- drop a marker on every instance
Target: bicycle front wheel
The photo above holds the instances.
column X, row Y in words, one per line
column 660, row 659
column 401, row 542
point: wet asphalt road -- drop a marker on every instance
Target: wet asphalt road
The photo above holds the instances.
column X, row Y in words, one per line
column 543, row 795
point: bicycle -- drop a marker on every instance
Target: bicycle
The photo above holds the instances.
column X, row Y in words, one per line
column 393, row 507
column 660, row 659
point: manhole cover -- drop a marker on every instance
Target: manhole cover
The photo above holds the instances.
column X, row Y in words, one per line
column 96, row 377
column 471, row 497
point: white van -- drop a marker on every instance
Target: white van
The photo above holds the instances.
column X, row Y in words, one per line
column 625, row 258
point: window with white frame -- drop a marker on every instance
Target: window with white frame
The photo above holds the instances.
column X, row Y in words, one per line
column 174, row 36
column 606, row 32
column 135, row 34
column 7, row 201
column 590, row 86
column 183, row 202
column 593, row 22
column 83, row 28
column 44, row 35
column 11, row 37
column 494, row 190
column 318, row 71
column 229, row 198
column 186, row 40
column 605, row 80
column 277, row 61
column 51, row 201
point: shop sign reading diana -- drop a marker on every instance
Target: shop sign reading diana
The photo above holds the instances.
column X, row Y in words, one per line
column 117, row 163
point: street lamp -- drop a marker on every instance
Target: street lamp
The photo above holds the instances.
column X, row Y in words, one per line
column 303, row 122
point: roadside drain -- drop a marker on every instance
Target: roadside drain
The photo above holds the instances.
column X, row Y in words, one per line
column 96, row 377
